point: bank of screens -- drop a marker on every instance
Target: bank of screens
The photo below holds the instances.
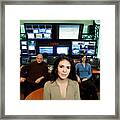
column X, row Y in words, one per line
column 38, row 31
column 84, row 47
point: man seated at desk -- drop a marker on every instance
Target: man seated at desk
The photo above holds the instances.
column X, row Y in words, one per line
column 34, row 75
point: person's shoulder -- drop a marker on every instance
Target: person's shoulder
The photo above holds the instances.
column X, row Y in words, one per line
column 48, row 83
column 78, row 64
column 88, row 64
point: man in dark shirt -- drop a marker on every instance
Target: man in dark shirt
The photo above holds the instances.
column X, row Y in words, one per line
column 34, row 75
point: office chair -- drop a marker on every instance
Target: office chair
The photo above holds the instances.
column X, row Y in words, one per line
column 35, row 95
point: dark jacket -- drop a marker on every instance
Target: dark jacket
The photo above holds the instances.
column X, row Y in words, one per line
column 35, row 70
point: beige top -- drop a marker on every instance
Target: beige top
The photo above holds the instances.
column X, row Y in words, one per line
column 52, row 91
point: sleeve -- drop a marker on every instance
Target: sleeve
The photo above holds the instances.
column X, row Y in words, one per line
column 24, row 71
column 77, row 92
column 76, row 69
column 46, row 94
column 90, row 72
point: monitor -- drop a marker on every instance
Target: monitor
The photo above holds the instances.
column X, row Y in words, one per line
column 30, row 35
column 75, row 47
column 47, row 36
column 23, row 42
column 24, row 47
column 39, row 36
column 35, row 30
column 38, row 30
column 22, row 29
column 31, row 45
column 48, row 31
column 69, row 31
column 41, row 30
column 46, row 49
column 84, row 47
column 62, row 50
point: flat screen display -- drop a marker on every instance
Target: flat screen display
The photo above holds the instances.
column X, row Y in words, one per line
column 31, row 45
column 75, row 48
column 24, row 47
column 22, row 29
column 63, row 50
column 83, row 47
column 46, row 49
column 23, row 42
column 69, row 31
column 38, row 36
column 30, row 35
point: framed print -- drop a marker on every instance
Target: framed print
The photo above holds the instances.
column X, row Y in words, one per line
column 13, row 35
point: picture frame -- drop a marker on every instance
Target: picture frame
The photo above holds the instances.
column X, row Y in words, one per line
column 3, row 97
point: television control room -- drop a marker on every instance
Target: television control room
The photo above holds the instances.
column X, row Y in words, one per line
column 55, row 38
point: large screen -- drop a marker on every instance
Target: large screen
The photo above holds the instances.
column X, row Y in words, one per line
column 38, row 31
column 46, row 49
column 62, row 50
column 83, row 47
column 69, row 31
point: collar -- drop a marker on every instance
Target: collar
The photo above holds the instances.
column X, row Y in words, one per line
column 70, row 82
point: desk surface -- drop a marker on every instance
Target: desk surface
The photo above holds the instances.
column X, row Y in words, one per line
column 95, row 71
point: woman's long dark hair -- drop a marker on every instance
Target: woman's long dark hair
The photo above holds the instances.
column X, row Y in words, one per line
column 54, row 73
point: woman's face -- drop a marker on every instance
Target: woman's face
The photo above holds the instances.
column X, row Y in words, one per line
column 83, row 58
column 64, row 68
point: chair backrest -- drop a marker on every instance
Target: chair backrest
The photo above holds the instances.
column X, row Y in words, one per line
column 35, row 95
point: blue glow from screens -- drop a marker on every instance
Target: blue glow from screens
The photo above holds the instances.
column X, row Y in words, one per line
column 45, row 49
column 31, row 45
column 35, row 31
column 42, row 30
column 38, row 31
column 83, row 47
column 47, row 36
column 62, row 50
column 48, row 31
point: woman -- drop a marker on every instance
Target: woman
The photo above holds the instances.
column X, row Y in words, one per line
column 62, row 87
column 84, row 75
